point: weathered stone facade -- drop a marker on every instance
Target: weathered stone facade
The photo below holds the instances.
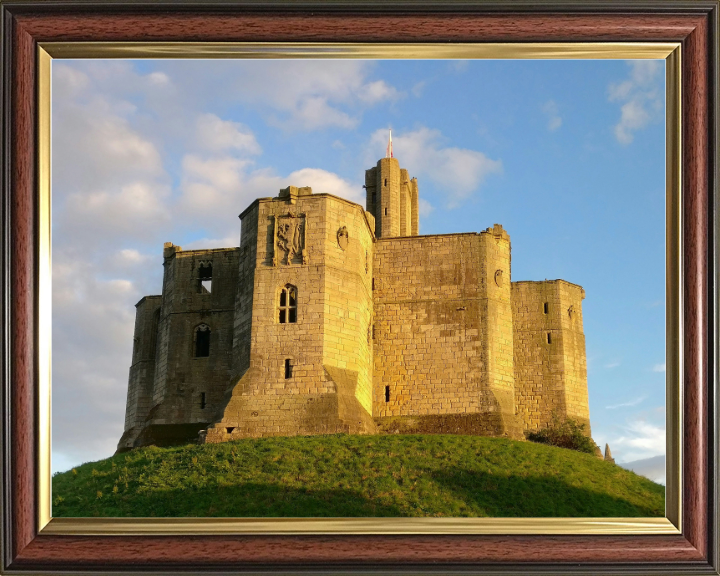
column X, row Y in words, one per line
column 330, row 318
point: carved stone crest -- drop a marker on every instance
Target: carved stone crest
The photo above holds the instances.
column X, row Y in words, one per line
column 343, row 238
column 289, row 239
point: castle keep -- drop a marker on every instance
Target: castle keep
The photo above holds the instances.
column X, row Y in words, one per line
column 333, row 318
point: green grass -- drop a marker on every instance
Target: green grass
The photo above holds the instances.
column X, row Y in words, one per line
column 342, row 476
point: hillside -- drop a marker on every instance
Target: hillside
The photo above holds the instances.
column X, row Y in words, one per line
column 344, row 476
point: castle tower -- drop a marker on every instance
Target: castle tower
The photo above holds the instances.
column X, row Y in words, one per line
column 392, row 198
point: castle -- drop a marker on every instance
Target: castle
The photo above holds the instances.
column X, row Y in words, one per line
column 333, row 318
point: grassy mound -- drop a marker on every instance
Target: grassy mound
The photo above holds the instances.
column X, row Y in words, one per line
column 344, row 476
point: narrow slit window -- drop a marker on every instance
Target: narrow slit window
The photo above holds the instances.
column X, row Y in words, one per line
column 288, row 368
column 385, row 181
column 549, row 338
column 374, row 196
column 545, row 308
column 203, row 402
column 385, row 211
column 287, row 311
column 205, row 278
column 373, row 283
column 202, row 341
column 387, row 393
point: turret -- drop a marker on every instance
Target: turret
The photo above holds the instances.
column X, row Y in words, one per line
column 392, row 198
column 608, row 455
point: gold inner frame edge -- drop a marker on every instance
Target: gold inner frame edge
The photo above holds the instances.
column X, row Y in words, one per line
column 669, row 51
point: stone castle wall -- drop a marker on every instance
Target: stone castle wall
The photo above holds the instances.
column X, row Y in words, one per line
column 550, row 365
column 427, row 325
column 443, row 335
column 142, row 369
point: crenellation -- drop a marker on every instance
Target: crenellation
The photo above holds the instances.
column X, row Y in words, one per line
column 332, row 317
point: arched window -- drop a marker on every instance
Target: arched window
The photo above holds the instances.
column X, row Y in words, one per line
column 202, row 341
column 288, row 304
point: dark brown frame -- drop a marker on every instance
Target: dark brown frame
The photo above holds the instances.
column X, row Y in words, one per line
column 694, row 23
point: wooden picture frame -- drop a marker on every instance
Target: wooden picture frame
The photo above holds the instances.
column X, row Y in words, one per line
column 25, row 25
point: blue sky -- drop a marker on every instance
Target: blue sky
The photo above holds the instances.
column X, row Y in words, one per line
column 567, row 155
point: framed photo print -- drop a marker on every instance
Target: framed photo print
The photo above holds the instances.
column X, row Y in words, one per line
column 466, row 231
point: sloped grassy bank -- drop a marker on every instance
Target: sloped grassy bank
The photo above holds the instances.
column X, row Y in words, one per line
column 345, row 476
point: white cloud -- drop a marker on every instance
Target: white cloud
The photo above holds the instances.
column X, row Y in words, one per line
column 458, row 170
column 310, row 94
column 378, row 91
column 418, row 89
column 550, row 108
column 641, row 98
column 659, row 367
column 128, row 257
column 68, row 82
column 215, row 190
column 137, row 209
column 228, row 241
column 95, row 145
column 634, row 402
column 315, row 112
column 221, row 173
column 326, row 182
column 93, row 323
column 639, row 439
column 158, row 78
column 424, row 208
column 612, row 365
column 216, row 135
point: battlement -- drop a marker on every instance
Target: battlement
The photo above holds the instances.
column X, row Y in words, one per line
column 293, row 192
